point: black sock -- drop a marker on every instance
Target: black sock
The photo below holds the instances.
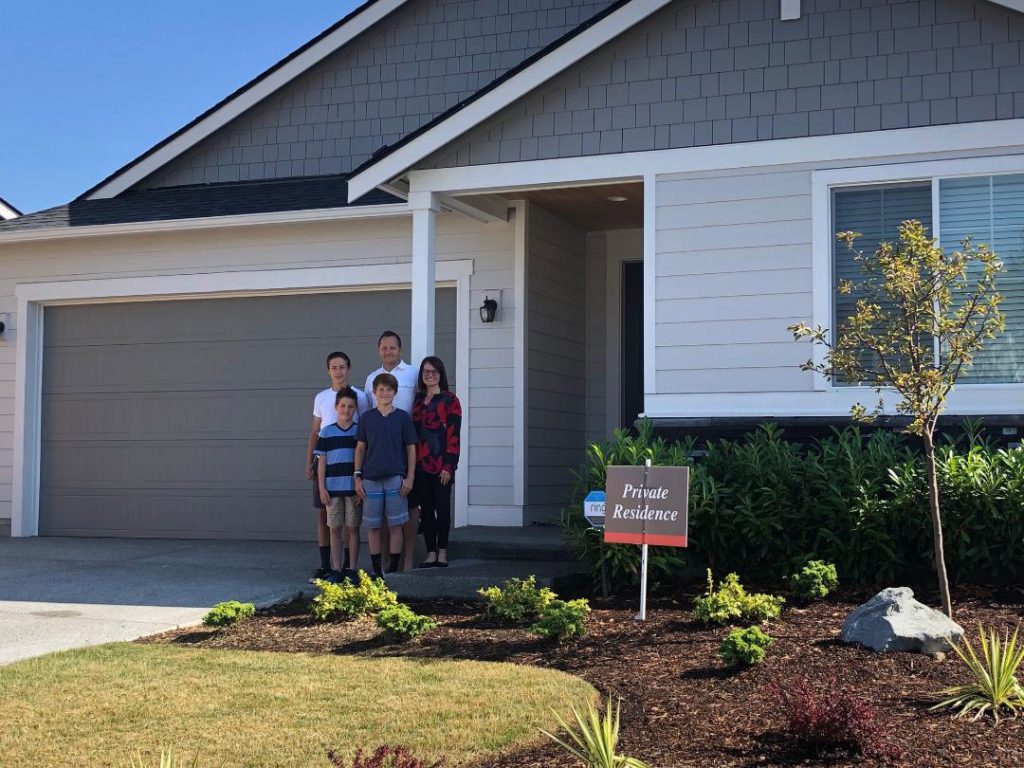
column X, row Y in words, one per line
column 394, row 562
column 344, row 560
column 325, row 558
column 375, row 562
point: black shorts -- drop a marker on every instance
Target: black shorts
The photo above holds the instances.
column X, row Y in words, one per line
column 317, row 504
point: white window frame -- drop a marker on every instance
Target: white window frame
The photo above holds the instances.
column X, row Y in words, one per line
column 823, row 237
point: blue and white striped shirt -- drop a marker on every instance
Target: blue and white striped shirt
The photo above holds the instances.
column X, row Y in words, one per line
column 338, row 447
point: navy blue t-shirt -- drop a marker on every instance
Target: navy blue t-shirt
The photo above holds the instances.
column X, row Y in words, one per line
column 386, row 438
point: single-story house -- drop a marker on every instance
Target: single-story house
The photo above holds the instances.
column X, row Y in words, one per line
column 648, row 189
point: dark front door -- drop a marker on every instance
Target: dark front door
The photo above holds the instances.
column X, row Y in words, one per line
column 632, row 341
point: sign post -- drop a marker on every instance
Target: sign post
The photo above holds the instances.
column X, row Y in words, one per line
column 646, row 505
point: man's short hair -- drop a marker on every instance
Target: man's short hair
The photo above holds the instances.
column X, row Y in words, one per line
column 390, row 333
column 385, row 380
column 337, row 355
column 346, row 392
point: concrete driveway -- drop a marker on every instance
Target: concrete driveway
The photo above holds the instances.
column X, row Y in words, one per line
column 60, row 593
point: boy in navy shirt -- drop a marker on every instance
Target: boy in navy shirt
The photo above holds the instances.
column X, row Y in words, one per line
column 385, row 463
column 335, row 451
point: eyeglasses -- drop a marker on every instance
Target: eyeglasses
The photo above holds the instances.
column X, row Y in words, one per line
column 429, row 373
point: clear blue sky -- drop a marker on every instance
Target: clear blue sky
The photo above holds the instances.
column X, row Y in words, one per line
column 88, row 86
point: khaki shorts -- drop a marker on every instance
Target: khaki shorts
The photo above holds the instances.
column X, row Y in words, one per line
column 344, row 510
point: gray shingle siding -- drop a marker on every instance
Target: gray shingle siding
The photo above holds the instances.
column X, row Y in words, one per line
column 699, row 73
column 409, row 68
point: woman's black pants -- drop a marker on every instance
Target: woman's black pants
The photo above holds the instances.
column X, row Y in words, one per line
column 435, row 509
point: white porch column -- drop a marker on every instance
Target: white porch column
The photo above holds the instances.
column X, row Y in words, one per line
column 424, row 223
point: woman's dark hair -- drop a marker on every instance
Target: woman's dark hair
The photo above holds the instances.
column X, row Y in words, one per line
column 421, row 388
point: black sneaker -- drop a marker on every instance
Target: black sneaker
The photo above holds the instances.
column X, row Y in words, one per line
column 335, row 577
column 319, row 573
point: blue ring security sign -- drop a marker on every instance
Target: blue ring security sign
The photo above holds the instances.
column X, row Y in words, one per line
column 593, row 508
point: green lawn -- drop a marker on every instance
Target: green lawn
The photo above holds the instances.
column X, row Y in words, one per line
column 96, row 706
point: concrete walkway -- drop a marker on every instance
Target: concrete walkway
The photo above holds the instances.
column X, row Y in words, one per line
column 60, row 593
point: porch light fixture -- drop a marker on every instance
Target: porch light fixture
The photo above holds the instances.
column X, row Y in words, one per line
column 617, row 199
column 488, row 309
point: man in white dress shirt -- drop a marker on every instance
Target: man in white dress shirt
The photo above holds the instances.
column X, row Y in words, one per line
column 389, row 348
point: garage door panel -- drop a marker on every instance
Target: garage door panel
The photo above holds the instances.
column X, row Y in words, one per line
column 190, row 418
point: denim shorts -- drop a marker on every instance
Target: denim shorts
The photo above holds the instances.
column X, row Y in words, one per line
column 384, row 499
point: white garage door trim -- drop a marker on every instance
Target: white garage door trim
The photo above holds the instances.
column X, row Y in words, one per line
column 33, row 297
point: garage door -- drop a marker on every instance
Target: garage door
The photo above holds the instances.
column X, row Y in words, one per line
column 190, row 418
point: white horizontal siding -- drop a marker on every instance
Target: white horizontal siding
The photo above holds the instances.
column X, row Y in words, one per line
column 733, row 271
column 317, row 244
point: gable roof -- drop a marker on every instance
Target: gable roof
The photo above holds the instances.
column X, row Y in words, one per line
column 284, row 71
column 8, row 211
column 390, row 162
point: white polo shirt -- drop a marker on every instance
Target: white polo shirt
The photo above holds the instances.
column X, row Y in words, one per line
column 406, row 376
column 323, row 406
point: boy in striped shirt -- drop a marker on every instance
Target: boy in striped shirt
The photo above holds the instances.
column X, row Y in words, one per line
column 335, row 449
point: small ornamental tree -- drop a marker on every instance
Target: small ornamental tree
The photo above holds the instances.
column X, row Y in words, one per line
column 915, row 299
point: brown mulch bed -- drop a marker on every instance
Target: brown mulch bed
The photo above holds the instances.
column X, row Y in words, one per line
column 680, row 707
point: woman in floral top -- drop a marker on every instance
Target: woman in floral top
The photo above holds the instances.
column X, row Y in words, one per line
column 437, row 417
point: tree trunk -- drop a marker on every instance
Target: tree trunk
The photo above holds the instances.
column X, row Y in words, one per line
column 933, row 498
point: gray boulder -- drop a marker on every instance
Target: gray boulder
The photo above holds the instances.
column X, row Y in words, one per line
column 894, row 621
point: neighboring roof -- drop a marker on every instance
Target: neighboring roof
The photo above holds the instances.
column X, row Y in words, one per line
column 518, row 81
column 391, row 161
column 202, row 201
column 8, row 211
column 284, row 71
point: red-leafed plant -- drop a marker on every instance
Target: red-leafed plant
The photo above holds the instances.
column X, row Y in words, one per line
column 385, row 756
column 832, row 720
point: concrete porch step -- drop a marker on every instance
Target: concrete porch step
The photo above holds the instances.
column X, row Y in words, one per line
column 535, row 543
column 465, row 575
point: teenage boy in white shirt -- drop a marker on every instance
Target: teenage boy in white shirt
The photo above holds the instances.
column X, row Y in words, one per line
column 324, row 414
column 389, row 349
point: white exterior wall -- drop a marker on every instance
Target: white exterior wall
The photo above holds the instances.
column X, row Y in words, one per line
column 311, row 245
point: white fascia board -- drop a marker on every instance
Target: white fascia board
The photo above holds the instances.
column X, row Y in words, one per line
column 212, row 222
column 7, row 213
column 897, row 143
column 142, row 168
column 493, row 101
column 1013, row 5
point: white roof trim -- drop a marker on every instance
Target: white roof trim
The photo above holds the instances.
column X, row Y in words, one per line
column 1015, row 5
column 491, row 102
column 140, row 169
column 211, row 222
column 6, row 212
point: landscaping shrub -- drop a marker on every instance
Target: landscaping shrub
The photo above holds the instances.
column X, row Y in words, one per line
column 763, row 505
column 744, row 647
column 994, row 686
column 350, row 601
column 595, row 739
column 833, row 719
column 384, row 756
column 517, row 600
column 401, row 622
column 561, row 620
column 814, row 581
column 229, row 612
column 731, row 602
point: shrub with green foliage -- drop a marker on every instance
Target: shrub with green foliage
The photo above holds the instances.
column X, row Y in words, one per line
column 351, row 601
column 517, row 600
column 814, row 581
column 730, row 602
column 402, row 622
column 229, row 612
column 562, row 620
column 763, row 505
column 745, row 647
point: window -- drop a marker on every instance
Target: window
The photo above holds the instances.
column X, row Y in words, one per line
column 989, row 209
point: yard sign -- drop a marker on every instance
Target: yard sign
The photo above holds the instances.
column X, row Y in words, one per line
column 647, row 505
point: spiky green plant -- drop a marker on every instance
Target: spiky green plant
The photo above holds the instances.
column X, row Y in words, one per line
column 595, row 738
column 995, row 687
column 167, row 760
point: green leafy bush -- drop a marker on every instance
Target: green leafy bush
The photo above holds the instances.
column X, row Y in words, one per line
column 350, row 601
column 562, row 620
column 814, row 581
column 763, row 505
column 402, row 622
column 517, row 600
column 229, row 612
column 731, row 602
column 745, row 647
